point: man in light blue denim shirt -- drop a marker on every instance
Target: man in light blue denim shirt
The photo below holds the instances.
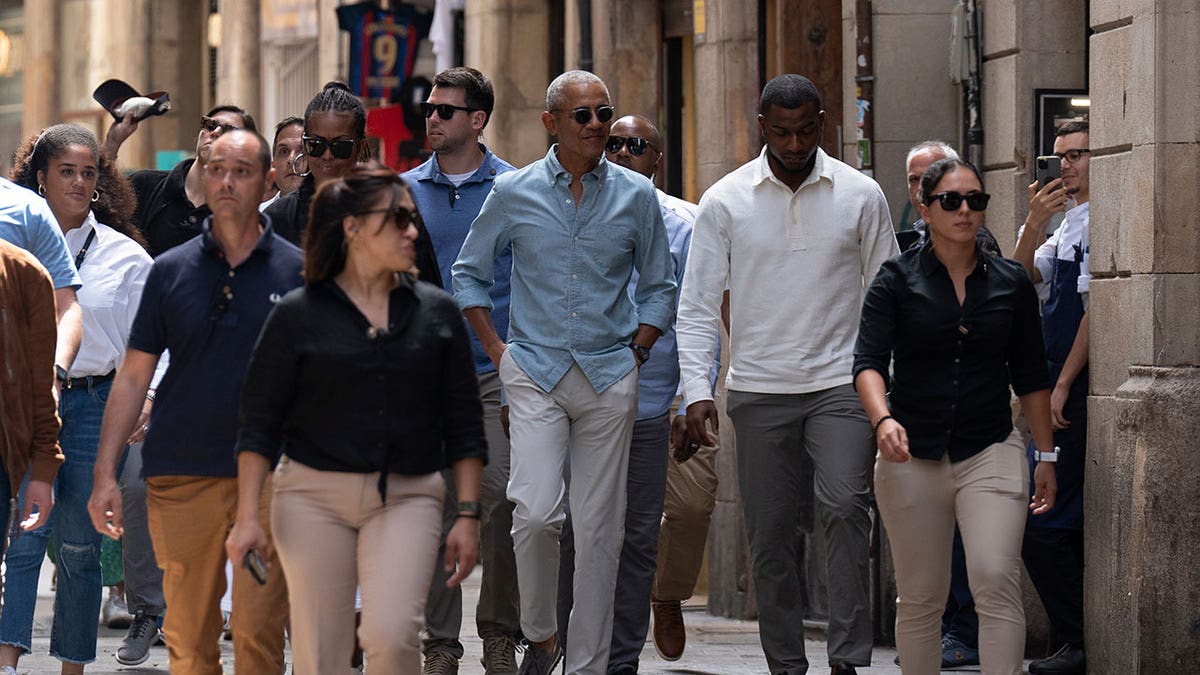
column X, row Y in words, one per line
column 578, row 227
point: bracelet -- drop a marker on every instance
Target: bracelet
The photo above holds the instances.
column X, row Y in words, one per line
column 150, row 395
column 469, row 509
column 881, row 420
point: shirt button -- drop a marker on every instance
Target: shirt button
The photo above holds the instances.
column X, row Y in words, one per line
column 574, row 276
column 956, row 359
column 573, row 315
column 568, row 201
column 230, row 272
column 457, row 196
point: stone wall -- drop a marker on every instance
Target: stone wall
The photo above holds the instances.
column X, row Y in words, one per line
column 1142, row 588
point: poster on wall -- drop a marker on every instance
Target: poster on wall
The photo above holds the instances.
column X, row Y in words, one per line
column 383, row 46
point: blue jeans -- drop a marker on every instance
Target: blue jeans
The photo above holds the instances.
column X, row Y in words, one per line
column 77, row 598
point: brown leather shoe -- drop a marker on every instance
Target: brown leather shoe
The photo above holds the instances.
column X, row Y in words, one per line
column 669, row 634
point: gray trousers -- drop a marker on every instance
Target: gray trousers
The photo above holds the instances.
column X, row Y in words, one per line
column 571, row 423
column 772, row 431
column 644, row 493
column 143, row 578
column 498, row 612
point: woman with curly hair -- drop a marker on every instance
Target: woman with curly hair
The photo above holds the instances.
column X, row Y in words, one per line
column 93, row 204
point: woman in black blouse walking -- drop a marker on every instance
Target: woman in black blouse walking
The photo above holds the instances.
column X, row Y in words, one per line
column 960, row 326
column 363, row 386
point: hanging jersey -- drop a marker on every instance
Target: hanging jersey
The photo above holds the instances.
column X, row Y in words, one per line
column 383, row 46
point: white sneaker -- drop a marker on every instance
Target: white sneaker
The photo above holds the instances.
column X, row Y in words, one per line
column 113, row 613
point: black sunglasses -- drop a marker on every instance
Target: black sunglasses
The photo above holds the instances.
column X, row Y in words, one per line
column 401, row 216
column 314, row 146
column 950, row 201
column 211, row 125
column 443, row 110
column 637, row 146
column 582, row 116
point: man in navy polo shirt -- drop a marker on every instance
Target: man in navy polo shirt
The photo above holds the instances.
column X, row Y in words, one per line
column 449, row 190
column 205, row 301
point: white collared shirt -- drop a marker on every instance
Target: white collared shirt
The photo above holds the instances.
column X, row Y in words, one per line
column 1071, row 234
column 114, row 270
column 796, row 265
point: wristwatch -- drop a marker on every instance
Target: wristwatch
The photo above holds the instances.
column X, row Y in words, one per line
column 60, row 373
column 1046, row 456
column 469, row 510
column 643, row 354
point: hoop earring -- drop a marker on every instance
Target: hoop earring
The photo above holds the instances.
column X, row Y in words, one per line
column 95, row 196
column 42, row 190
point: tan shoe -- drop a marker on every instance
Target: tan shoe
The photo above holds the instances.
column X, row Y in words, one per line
column 670, row 637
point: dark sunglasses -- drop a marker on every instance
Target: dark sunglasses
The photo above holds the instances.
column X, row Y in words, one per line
column 582, row 116
column 443, row 110
column 950, row 201
column 401, row 216
column 211, row 125
column 637, row 146
column 314, row 146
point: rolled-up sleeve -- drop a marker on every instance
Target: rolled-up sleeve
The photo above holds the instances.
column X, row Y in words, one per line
column 877, row 325
column 463, row 433
column 473, row 273
column 656, row 287
column 1026, row 350
column 269, row 387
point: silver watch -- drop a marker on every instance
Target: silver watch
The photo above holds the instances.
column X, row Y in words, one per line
column 1046, row 456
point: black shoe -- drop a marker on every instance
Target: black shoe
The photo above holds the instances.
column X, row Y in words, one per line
column 842, row 669
column 539, row 661
column 1068, row 660
column 956, row 655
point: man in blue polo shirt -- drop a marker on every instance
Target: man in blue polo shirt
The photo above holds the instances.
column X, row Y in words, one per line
column 27, row 221
column 205, row 300
column 449, row 189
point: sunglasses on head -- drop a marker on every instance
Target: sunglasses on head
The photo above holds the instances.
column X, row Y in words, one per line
column 211, row 125
column 401, row 216
column 637, row 146
column 443, row 110
column 314, row 146
column 582, row 116
column 950, row 201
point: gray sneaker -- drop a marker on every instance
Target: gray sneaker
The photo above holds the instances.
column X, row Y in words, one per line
column 499, row 655
column 135, row 648
column 539, row 661
column 440, row 663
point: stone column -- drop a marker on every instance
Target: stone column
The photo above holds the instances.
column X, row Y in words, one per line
column 727, row 89
column 1142, row 586
column 508, row 41
column 627, row 52
column 1027, row 45
column 239, row 58
column 39, row 93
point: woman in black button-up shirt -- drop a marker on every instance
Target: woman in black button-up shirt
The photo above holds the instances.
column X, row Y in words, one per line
column 363, row 385
column 961, row 327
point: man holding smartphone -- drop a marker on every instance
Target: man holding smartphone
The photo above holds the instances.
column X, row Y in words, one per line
column 1053, row 549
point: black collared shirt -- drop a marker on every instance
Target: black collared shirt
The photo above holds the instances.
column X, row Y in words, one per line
column 953, row 364
column 208, row 315
column 328, row 391
column 164, row 214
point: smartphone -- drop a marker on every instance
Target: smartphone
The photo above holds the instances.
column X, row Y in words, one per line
column 257, row 568
column 1047, row 168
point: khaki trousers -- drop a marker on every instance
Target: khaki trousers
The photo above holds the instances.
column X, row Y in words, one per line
column 334, row 532
column 189, row 518
column 687, row 509
column 920, row 500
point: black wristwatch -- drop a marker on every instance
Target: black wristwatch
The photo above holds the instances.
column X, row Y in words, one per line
column 642, row 353
column 469, row 510
column 60, row 373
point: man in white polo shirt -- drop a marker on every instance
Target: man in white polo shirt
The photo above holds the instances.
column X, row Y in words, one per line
column 796, row 235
